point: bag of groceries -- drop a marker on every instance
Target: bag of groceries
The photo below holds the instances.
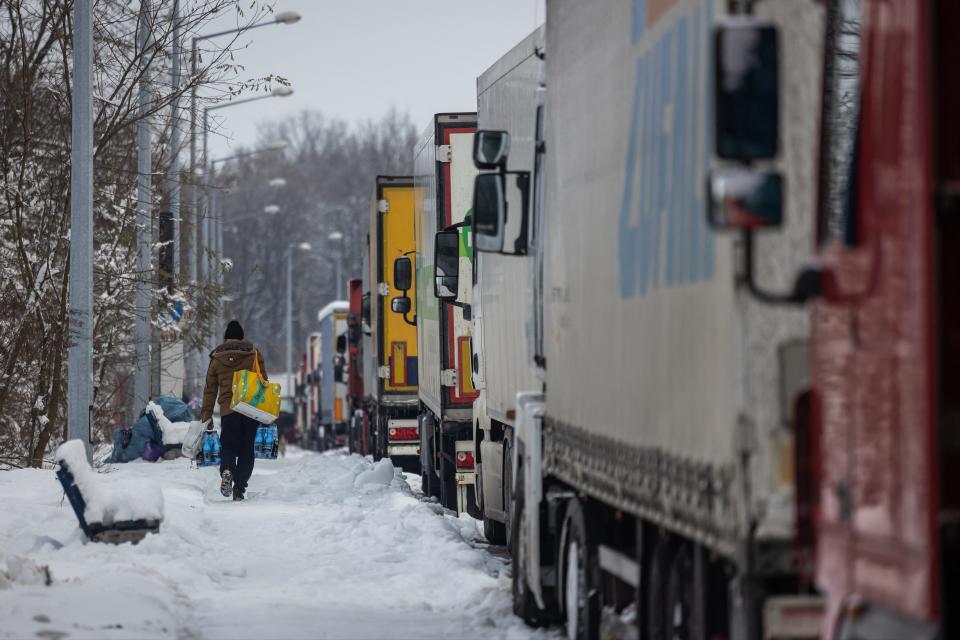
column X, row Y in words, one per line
column 254, row 396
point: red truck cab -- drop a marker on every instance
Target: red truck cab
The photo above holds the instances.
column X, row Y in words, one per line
column 878, row 433
column 886, row 329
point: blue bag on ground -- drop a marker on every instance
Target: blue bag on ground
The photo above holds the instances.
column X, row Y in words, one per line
column 266, row 444
column 210, row 451
column 129, row 444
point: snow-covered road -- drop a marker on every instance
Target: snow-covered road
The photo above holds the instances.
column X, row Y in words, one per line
column 326, row 546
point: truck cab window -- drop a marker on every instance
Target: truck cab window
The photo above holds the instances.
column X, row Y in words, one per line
column 837, row 216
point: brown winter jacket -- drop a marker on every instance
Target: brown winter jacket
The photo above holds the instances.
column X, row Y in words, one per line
column 232, row 355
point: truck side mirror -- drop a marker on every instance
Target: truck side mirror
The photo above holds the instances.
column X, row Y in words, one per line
column 400, row 304
column 446, row 268
column 402, row 273
column 745, row 200
column 489, row 212
column 747, row 90
column 490, row 149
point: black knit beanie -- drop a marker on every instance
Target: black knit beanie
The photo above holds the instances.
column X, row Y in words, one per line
column 234, row 331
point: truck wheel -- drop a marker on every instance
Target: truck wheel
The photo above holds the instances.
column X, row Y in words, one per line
column 351, row 431
column 448, row 473
column 428, row 461
column 656, row 600
column 579, row 578
column 524, row 604
column 379, row 450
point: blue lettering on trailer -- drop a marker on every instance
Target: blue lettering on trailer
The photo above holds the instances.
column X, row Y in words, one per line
column 663, row 240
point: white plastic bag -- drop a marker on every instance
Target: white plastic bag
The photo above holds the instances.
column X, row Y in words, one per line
column 194, row 439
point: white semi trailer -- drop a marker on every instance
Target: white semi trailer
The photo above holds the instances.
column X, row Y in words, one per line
column 506, row 96
column 653, row 459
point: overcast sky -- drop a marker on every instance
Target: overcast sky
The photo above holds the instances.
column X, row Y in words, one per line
column 355, row 59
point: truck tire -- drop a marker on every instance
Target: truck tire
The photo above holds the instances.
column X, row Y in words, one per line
column 380, row 448
column 656, row 586
column 429, row 482
column 448, row 473
column 524, row 604
column 579, row 580
column 352, row 435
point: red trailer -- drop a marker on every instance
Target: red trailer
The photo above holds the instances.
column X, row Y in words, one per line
column 878, row 432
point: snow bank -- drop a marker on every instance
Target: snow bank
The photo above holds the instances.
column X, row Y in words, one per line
column 312, row 553
column 109, row 499
column 382, row 473
column 173, row 432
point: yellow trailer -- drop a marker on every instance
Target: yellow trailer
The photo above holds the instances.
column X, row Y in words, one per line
column 393, row 400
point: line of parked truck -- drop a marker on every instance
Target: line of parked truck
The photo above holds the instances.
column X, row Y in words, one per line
column 669, row 314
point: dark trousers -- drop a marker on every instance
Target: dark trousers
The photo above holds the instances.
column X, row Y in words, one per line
column 237, row 435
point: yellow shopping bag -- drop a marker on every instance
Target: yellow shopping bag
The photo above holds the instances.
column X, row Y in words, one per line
column 254, row 396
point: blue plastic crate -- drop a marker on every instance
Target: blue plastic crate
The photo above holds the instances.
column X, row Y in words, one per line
column 266, row 444
column 209, row 453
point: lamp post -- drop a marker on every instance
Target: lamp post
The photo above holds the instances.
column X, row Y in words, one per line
column 284, row 17
column 80, row 351
column 302, row 246
column 337, row 237
column 173, row 175
column 143, row 369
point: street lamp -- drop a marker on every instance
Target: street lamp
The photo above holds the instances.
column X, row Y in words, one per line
column 336, row 236
column 287, row 17
column 302, row 246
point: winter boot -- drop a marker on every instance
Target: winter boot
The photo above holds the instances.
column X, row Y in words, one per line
column 226, row 483
column 237, row 494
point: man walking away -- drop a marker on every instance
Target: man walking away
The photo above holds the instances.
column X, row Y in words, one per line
column 237, row 431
